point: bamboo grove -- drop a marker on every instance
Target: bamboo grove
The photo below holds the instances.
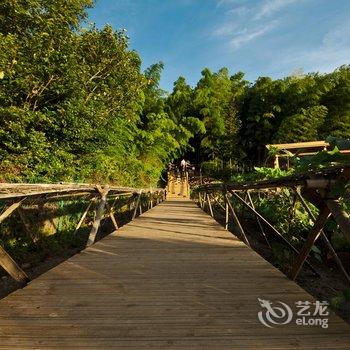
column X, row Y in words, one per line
column 76, row 106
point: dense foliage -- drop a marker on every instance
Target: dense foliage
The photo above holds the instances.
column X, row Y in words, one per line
column 241, row 118
column 75, row 105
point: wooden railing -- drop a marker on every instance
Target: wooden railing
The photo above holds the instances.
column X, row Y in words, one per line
column 317, row 188
column 14, row 196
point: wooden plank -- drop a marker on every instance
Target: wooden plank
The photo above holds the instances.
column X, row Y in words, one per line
column 308, row 144
column 21, row 190
column 172, row 278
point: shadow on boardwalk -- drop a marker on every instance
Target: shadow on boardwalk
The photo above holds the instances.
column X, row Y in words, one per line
column 172, row 278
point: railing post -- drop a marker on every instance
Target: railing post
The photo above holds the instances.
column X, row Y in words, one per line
column 271, row 227
column 136, row 205
column 99, row 215
column 226, row 211
column 210, row 208
column 140, row 205
column 311, row 239
column 257, row 218
column 323, row 236
column 200, row 199
column 235, row 217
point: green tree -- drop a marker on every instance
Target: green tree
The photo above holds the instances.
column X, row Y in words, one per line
column 337, row 100
column 303, row 126
column 213, row 99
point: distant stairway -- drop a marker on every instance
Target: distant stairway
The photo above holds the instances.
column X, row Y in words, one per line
column 178, row 186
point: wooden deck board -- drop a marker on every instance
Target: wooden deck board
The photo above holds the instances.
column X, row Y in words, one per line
column 171, row 279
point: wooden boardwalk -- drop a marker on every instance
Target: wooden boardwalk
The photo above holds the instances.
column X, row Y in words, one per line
column 171, row 279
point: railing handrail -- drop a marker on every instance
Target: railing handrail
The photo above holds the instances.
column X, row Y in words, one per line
column 20, row 190
column 16, row 194
column 316, row 188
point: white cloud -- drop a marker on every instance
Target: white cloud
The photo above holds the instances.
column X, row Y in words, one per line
column 226, row 2
column 333, row 51
column 244, row 23
column 240, row 11
column 339, row 36
column 248, row 35
column 270, row 7
column 226, row 29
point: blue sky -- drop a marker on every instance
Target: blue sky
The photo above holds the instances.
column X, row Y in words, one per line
column 259, row 37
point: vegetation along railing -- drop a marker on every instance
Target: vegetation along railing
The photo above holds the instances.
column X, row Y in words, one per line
column 322, row 195
column 102, row 200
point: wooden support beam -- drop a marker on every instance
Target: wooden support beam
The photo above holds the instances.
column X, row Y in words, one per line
column 235, row 217
column 272, row 228
column 258, row 219
column 109, row 208
column 115, row 200
column 99, row 215
column 323, row 236
column 226, row 213
column 151, row 200
column 140, row 206
column 200, row 199
column 111, row 214
column 136, row 206
column 6, row 262
column 341, row 217
column 210, row 207
column 83, row 216
column 11, row 267
column 218, row 203
column 56, row 197
column 11, row 209
column 310, row 241
column 204, row 198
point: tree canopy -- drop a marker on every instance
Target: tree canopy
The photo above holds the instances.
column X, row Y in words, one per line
column 75, row 105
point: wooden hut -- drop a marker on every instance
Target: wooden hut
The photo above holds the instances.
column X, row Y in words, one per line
column 280, row 153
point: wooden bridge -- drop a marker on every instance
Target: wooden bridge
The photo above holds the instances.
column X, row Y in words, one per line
column 171, row 279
